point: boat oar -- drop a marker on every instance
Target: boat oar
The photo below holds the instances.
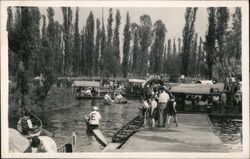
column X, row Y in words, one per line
column 50, row 134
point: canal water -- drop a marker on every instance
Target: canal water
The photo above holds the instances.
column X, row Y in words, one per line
column 64, row 122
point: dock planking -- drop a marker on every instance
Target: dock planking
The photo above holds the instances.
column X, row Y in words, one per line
column 194, row 134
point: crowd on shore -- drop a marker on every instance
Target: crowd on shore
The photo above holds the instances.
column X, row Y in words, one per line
column 159, row 107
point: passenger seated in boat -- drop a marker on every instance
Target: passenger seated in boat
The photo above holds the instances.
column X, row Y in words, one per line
column 88, row 92
column 25, row 125
column 107, row 97
column 94, row 118
column 42, row 144
column 119, row 97
column 93, row 91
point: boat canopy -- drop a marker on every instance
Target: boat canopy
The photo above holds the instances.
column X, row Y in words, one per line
column 202, row 89
column 136, row 80
column 205, row 82
column 86, row 84
column 17, row 143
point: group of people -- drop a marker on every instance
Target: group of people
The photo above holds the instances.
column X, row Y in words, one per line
column 160, row 106
column 220, row 103
column 117, row 97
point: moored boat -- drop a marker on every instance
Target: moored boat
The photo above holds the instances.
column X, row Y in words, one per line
column 81, row 90
column 128, row 130
column 69, row 146
column 35, row 122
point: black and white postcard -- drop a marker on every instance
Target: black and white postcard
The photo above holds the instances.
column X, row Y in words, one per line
column 125, row 79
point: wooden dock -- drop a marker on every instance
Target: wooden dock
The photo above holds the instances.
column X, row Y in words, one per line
column 194, row 134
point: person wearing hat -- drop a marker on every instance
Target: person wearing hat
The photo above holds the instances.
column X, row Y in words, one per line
column 94, row 118
column 171, row 111
column 42, row 144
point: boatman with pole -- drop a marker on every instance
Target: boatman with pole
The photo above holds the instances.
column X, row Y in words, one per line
column 94, row 118
column 25, row 125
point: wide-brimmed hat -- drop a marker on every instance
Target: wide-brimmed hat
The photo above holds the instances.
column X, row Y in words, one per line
column 35, row 142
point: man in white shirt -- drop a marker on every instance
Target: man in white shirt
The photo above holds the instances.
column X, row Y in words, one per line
column 118, row 97
column 107, row 97
column 94, row 118
column 163, row 100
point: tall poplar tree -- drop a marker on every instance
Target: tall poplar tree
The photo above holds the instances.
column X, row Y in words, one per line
column 102, row 66
column 83, row 54
column 126, row 46
column 222, row 16
column 158, row 47
column 89, row 44
column 210, row 40
column 199, row 58
column 193, row 60
column 77, row 45
column 109, row 58
column 188, row 33
column 145, row 35
column 29, row 34
column 136, row 48
column 237, row 33
column 67, row 20
column 97, row 46
column 116, row 42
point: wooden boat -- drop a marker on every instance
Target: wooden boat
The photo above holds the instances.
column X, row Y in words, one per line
column 81, row 86
column 197, row 89
column 69, row 146
column 124, row 101
column 95, row 134
column 35, row 122
column 128, row 130
column 17, row 142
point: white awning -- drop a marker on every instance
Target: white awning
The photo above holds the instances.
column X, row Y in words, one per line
column 86, row 84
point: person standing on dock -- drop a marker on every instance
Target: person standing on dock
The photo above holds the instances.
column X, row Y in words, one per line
column 171, row 111
column 163, row 100
column 152, row 113
column 94, row 118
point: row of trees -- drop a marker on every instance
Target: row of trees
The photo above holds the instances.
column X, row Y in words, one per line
column 62, row 50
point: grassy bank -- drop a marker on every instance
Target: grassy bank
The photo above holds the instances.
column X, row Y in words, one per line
column 57, row 98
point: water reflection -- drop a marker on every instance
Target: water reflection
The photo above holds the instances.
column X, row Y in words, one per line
column 64, row 122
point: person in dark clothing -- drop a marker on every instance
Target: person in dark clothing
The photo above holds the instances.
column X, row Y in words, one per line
column 171, row 111
column 25, row 124
column 237, row 104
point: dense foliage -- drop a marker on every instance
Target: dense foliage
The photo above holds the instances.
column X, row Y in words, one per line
column 41, row 46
